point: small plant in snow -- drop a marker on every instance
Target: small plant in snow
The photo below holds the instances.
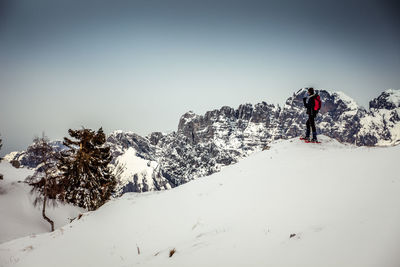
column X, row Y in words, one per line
column 172, row 252
column 45, row 181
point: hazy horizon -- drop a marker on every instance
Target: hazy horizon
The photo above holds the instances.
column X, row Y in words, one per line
column 108, row 131
column 140, row 65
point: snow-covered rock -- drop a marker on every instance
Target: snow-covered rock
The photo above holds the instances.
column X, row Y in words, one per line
column 27, row 159
column 390, row 99
column 136, row 171
column 382, row 125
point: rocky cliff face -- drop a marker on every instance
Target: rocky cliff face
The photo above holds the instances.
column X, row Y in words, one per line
column 29, row 160
column 203, row 144
column 338, row 118
column 381, row 126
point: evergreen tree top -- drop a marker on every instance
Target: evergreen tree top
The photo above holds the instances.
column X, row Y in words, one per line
column 86, row 139
column 86, row 176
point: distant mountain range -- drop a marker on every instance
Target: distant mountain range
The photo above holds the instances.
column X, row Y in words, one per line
column 205, row 143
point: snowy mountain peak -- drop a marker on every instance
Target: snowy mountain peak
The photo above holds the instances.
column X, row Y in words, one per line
column 190, row 115
column 120, row 142
column 300, row 92
column 350, row 103
column 389, row 99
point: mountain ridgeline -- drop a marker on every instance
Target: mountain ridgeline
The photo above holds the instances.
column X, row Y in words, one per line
column 205, row 143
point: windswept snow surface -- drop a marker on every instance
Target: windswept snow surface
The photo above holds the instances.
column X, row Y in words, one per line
column 19, row 217
column 340, row 203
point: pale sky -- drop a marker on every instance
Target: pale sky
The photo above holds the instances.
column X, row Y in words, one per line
column 139, row 65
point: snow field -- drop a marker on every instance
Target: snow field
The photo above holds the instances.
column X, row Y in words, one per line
column 341, row 202
column 18, row 215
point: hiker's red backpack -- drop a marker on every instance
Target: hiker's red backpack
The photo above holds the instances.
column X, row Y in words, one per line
column 317, row 104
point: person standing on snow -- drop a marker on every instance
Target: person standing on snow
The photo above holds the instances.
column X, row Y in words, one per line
column 312, row 103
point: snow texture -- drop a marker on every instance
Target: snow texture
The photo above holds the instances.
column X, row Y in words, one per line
column 294, row 204
column 18, row 215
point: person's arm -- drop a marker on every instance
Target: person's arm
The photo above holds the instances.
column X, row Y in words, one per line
column 305, row 99
column 311, row 104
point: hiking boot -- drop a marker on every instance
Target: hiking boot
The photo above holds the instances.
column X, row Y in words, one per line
column 306, row 138
column 314, row 136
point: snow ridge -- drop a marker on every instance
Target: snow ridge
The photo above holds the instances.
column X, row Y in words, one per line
column 258, row 212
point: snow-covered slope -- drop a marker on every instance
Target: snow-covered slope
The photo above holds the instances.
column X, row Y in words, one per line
column 340, row 203
column 18, row 215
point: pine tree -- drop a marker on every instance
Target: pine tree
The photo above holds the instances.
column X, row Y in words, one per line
column 87, row 179
column 46, row 179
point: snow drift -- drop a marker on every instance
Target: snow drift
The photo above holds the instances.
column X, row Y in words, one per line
column 18, row 215
column 295, row 204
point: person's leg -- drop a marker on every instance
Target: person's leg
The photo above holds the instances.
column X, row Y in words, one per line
column 308, row 127
column 314, row 130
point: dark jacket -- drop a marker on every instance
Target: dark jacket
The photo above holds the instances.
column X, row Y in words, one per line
column 311, row 104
